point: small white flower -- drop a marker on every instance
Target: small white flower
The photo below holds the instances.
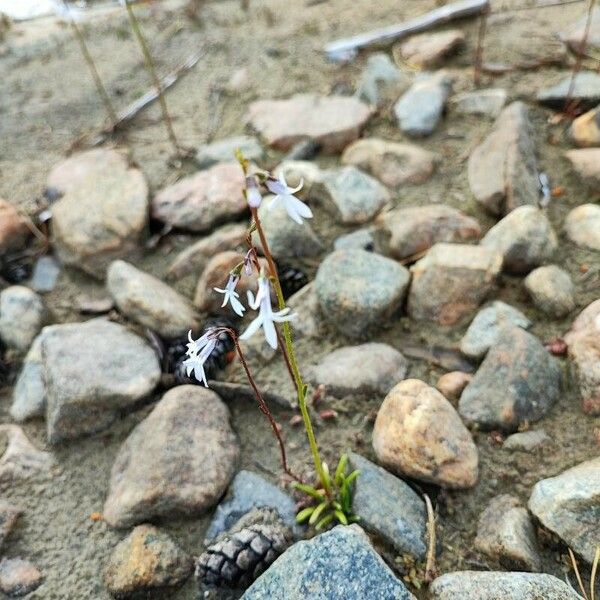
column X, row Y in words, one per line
column 295, row 208
column 198, row 351
column 232, row 296
column 252, row 193
column 266, row 317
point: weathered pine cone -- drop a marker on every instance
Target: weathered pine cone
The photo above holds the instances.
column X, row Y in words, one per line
column 237, row 558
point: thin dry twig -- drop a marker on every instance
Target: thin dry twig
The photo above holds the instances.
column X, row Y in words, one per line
column 480, row 45
column 430, row 568
column 577, row 574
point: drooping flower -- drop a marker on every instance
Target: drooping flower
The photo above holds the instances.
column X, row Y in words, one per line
column 252, row 192
column 231, row 296
column 249, row 261
column 198, row 351
column 266, row 317
column 295, row 208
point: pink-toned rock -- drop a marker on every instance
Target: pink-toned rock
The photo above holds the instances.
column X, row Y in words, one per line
column 331, row 121
column 8, row 517
column 392, row 163
column 18, row 577
column 417, row 228
column 582, row 226
column 452, row 384
column 583, row 340
column 451, row 281
column 585, row 129
column 202, row 200
column 430, row 49
column 419, row 434
column 586, row 163
column 13, row 229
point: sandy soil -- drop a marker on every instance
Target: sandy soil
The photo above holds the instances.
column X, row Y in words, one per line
column 47, row 102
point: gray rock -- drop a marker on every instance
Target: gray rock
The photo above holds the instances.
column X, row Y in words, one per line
column 369, row 369
column 524, row 238
column 92, row 371
column 485, row 328
column 304, row 303
column 201, row 201
column 517, row 382
column 146, row 560
column 299, row 171
column 8, row 518
column 389, row 508
column 357, row 290
column 338, row 565
column 502, row 170
column 393, row 163
column 430, row 49
column 45, row 274
column 578, row 32
column 526, row 441
column 331, row 121
column 488, row 102
column 585, row 91
column 148, row 301
column 582, row 226
column 21, row 459
column 420, row 109
column 224, row 151
column 414, row 229
column 21, row 316
column 477, row 585
column 286, row 238
column 586, row 163
column 381, row 80
column 18, row 577
column 505, row 533
column 585, row 129
column 103, row 213
column 351, row 195
column 551, row 290
column 568, row 506
column 249, row 490
column 178, row 461
column 360, row 239
column 451, row 281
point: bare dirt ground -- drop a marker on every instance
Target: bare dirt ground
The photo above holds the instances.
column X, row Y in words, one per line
column 47, row 102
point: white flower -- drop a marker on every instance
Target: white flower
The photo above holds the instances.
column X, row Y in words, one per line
column 252, row 193
column 198, row 351
column 232, row 296
column 266, row 317
column 295, row 208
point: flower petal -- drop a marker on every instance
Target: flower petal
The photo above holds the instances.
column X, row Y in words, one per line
column 237, row 306
column 252, row 328
column 301, row 208
column 270, row 333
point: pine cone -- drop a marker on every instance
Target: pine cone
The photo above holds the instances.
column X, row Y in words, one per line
column 238, row 557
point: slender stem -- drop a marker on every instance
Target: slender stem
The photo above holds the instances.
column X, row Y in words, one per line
column 110, row 111
column 285, row 356
column 287, row 334
column 480, row 45
column 430, row 565
column 150, row 66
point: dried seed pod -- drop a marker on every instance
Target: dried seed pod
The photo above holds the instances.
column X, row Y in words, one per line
column 243, row 553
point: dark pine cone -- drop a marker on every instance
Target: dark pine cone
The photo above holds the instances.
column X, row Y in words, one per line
column 292, row 279
column 238, row 558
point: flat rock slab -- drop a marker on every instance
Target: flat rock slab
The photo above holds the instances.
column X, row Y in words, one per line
column 19, row 577
column 351, row 195
column 222, row 151
column 551, row 290
column 582, row 226
column 249, row 490
column 389, row 508
column 92, row 371
column 418, row 433
column 524, row 238
column 178, row 461
column 148, row 301
column 21, row 316
column 338, row 565
column 579, row 37
column 526, row 441
column 103, row 212
column 487, row 102
column 146, row 560
column 431, row 49
column 420, row 109
column 485, row 328
column 585, row 129
column 517, row 382
column 477, row 585
column 568, row 506
column 502, row 170
column 369, row 369
column 356, row 290
column 451, row 281
column 505, row 533
column 585, row 92
column 393, row 163
column 330, row 121
column 201, row 201
column 412, row 230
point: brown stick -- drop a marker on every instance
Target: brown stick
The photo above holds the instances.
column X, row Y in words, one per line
column 480, row 44
column 430, row 570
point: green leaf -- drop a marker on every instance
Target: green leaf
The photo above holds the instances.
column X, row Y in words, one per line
column 352, row 477
column 309, row 489
column 318, row 512
column 324, row 521
column 327, row 482
column 341, row 517
column 304, row 514
column 341, row 469
column 353, row 519
column 337, row 505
